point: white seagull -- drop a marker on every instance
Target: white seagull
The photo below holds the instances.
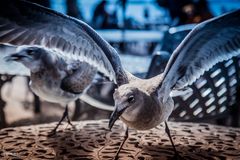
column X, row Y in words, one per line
column 140, row 103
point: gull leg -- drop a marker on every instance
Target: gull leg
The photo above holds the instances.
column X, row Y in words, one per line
column 120, row 147
column 169, row 135
column 68, row 118
column 65, row 114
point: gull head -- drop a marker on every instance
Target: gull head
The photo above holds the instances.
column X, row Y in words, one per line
column 30, row 57
column 135, row 107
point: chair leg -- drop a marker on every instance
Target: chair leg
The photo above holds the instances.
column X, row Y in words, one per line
column 3, row 123
column 236, row 111
column 235, row 120
column 2, row 105
column 77, row 111
column 222, row 121
column 37, row 104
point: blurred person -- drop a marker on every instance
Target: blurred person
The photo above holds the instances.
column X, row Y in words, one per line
column 203, row 10
column 73, row 9
column 123, row 4
column 103, row 19
column 113, row 20
column 175, row 8
column 186, row 11
column 100, row 15
column 199, row 12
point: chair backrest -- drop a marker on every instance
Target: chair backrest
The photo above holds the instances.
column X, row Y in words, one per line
column 173, row 37
column 158, row 63
column 213, row 94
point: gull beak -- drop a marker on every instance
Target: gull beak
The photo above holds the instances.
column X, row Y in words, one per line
column 14, row 57
column 115, row 115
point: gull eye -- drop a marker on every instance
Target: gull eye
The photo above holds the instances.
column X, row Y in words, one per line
column 30, row 52
column 131, row 99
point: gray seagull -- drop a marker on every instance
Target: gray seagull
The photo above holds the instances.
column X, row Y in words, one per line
column 53, row 78
column 140, row 103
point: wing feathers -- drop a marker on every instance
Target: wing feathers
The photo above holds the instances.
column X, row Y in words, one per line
column 208, row 43
column 210, row 58
column 30, row 24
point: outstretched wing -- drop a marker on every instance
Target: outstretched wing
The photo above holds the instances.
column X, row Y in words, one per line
column 210, row 42
column 24, row 23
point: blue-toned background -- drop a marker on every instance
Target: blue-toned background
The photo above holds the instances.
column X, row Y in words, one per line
column 135, row 8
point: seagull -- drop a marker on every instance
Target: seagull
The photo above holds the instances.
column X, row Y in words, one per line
column 52, row 78
column 141, row 104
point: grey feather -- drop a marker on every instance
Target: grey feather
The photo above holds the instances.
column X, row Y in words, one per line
column 72, row 39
